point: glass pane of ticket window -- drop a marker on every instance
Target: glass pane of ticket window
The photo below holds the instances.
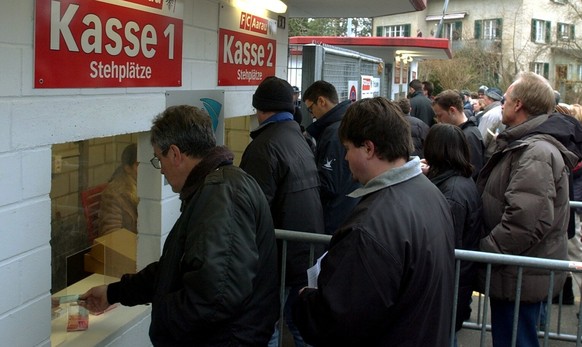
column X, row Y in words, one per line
column 93, row 211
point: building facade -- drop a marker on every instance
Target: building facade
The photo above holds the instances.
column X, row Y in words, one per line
column 528, row 35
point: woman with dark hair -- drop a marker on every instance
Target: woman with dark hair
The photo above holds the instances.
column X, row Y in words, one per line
column 448, row 166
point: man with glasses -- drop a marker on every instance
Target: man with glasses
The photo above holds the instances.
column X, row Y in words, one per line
column 322, row 102
column 216, row 282
column 524, row 187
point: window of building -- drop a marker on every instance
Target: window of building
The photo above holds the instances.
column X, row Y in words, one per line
column 565, row 32
column 402, row 30
column 488, row 29
column 453, row 31
column 542, row 69
column 540, row 31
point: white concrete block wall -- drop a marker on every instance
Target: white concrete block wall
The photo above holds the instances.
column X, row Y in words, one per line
column 31, row 120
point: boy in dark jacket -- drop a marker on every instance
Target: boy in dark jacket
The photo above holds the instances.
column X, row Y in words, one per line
column 387, row 279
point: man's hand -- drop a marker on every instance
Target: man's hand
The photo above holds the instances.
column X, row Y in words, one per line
column 424, row 166
column 95, row 299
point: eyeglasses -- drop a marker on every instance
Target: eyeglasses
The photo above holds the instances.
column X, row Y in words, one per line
column 155, row 161
column 502, row 100
column 310, row 108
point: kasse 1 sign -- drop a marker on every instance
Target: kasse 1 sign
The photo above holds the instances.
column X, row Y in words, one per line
column 96, row 44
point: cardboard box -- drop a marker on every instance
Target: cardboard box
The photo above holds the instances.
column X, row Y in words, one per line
column 113, row 254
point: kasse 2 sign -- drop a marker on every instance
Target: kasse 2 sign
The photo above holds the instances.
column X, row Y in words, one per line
column 244, row 59
column 89, row 43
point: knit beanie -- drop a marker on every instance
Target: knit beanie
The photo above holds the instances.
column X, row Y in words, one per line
column 494, row 93
column 274, row 94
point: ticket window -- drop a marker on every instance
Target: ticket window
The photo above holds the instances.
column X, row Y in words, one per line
column 93, row 209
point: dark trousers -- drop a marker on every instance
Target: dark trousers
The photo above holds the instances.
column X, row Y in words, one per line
column 502, row 323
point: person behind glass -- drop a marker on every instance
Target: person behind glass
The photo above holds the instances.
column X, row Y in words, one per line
column 388, row 277
column 448, row 108
column 280, row 160
column 118, row 209
column 418, row 128
column 526, row 176
column 322, row 102
column 215, row 283
column 449, row 168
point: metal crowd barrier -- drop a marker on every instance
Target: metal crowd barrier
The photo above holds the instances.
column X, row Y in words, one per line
column 489, row 259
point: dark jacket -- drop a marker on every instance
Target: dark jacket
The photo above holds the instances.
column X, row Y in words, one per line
column 466, row 210
column 388, row 277
column 334, row 172
column 476, row 146
column 421, row 108
column 216, row 282
column 283, row 165
column 526, row 201
column 418, row 130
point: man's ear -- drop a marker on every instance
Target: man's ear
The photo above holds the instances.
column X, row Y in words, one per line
column 369, row 147
column 175, row 155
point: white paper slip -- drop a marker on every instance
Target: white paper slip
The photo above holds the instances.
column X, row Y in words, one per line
column 313, row 272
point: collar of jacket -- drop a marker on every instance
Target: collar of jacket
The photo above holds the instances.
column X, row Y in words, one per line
column 334, row 115
column 391, row 177
column 216, row 157
column 471, row 121
column 511, row 136
column 276, row 118
column 417, row 94
column 531, row 130
column 443, row 176
column 491, row 106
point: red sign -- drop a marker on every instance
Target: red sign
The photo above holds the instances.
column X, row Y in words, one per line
column 253, row 23
column 89, row 43
column 244, row 59
column 151, row 3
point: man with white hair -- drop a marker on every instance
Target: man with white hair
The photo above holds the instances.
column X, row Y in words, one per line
column 526, row 176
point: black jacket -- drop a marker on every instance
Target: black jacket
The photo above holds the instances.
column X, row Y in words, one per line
column 283, row 165
column 388, row 277
column 216, row 282
column 418, row 130
column 476, row 146
column 334, row 172
column 466, row 210
column 421, row 108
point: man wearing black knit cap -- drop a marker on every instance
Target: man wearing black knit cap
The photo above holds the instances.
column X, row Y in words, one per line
column 283, row 165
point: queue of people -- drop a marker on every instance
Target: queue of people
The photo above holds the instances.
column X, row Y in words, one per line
column 397, row 193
